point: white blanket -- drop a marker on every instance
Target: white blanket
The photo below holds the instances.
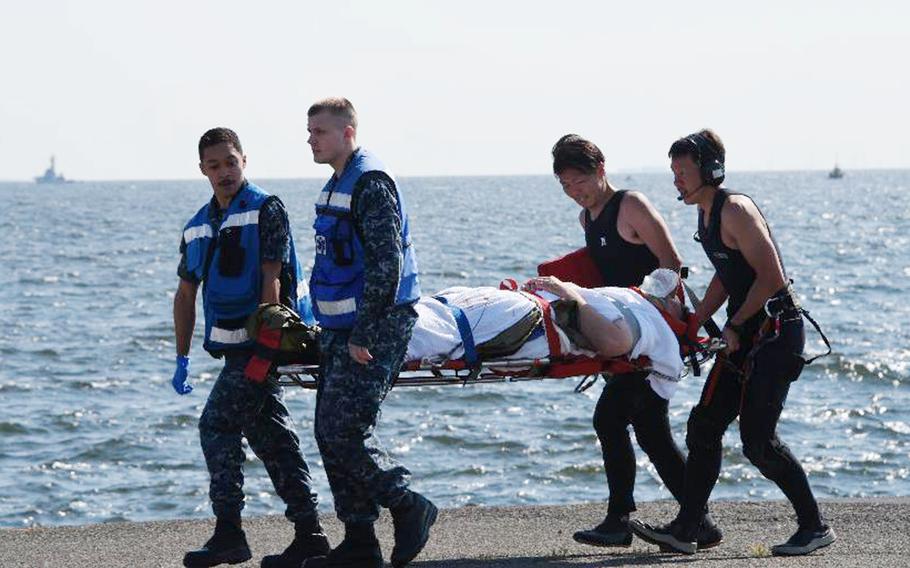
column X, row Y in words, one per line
column 490, row 311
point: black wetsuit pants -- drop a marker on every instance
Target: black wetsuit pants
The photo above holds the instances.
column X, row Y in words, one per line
column 754, row 388
column 625, row 400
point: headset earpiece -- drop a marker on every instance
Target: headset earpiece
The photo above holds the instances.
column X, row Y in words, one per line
column 710, row 163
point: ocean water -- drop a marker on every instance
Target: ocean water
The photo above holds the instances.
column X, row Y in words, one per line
column 91, row 431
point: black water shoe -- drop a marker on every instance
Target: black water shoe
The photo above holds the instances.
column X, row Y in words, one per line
column 309, row 542
column 412, row 519
column 709, row 534
column 359, row 549
column 805, row 541
column 672, row 537
column 227, row 546
column 613, row 531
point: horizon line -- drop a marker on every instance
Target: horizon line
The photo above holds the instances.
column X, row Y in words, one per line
column 646, row 170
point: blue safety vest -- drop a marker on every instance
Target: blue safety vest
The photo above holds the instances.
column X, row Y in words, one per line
column 230, row 270
column 338, row 272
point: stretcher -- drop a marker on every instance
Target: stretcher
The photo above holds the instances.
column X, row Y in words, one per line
column 575, row 267
column 459, row 372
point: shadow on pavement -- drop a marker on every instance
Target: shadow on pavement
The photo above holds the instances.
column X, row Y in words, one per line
column 574, row 561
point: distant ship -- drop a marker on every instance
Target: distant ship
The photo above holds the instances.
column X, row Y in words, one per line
column 50, row 175
column 836, row 173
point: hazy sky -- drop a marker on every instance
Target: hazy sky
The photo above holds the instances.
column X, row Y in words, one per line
column 122, row 89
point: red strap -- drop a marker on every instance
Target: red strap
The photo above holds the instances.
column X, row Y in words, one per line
column 575, row 368
column 271, row 338
column 708, row 393
column 692, row 328
column 592, row 365
column 258, row 367
column 549, row 326
column 679, row 327
column 509, row 284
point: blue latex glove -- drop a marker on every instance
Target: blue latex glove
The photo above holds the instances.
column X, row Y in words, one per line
column 180, row 375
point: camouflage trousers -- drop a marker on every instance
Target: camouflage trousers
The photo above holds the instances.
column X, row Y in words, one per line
column 237, row 407
column 361, row 473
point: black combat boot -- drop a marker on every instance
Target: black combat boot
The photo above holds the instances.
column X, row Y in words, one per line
column 309, row 542
column 227, row 546
column 359, row 549
column 412, row 517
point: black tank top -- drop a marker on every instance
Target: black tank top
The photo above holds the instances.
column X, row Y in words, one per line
column 620, row 262
column 734, row 271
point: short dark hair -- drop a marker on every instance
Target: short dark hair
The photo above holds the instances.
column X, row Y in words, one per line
column 336, row 106
column 217, row 136
column 695, row 145
column 573, row 151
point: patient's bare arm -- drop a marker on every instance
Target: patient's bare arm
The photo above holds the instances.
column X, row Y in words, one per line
column 609, row 339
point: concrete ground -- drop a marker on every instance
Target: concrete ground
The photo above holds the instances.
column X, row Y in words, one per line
column 871, row 532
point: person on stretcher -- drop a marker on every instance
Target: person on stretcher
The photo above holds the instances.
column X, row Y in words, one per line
column 601, row 322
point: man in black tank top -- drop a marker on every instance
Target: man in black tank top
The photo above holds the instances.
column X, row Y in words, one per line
column 752, row 378
column 627, row 239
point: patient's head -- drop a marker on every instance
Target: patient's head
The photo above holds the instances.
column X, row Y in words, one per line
column 660, row 286
column 671, row 305
column 674, row 307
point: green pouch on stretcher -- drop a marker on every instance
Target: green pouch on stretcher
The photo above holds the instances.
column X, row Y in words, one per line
column 512, row 338
column 281, row 339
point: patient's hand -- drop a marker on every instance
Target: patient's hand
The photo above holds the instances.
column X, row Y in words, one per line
column 565, row 290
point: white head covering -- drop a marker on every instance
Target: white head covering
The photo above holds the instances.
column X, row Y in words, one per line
column 661, row 283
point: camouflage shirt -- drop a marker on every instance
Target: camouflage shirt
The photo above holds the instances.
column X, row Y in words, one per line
column 374, row 206
column 274, row 239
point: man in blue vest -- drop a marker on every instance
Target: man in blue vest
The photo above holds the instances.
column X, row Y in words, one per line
column 364, row 286
column 765, row 338
column 627, row 239
column 239, row 247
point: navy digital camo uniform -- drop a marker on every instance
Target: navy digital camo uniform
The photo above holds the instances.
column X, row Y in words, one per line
column 239, row 407
column 362, row 475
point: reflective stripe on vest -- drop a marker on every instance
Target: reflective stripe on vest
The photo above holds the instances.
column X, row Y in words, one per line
column 334, row 200
column 241, row 219
column 197, row 232
column 228, row 336
column 337, row 307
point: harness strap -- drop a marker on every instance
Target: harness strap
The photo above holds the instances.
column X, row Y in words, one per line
column 820, row 332
column 464, row 329
column 549, row 326
column 779, row 305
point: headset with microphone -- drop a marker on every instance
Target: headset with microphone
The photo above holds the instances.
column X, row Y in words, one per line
column 709, row 157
